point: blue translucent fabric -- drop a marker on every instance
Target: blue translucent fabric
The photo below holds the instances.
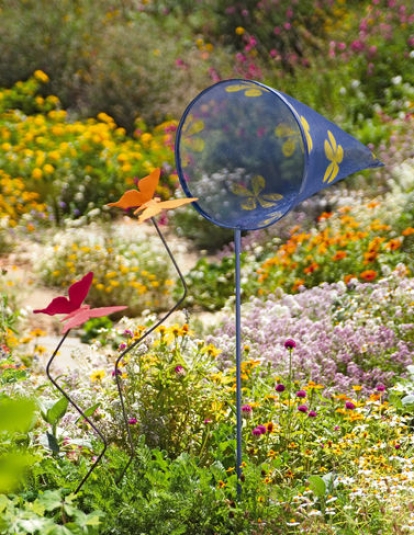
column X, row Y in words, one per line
column 250, row 153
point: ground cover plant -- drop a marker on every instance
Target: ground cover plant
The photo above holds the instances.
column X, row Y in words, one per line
column 328, row 375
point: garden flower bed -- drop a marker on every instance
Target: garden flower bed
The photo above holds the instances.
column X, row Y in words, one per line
column 327, row 293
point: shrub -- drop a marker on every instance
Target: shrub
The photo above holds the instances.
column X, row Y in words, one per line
column 74, row 167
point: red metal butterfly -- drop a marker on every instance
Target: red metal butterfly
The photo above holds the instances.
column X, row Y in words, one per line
column 76, row 313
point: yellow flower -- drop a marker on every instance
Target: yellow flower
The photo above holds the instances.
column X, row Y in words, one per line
column 97, row 376
column 37, row 173
column 335, row 154
column 240, row 30
column 41, row 76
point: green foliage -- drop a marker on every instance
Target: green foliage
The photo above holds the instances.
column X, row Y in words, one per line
column 53, row 512
column 163, row 391
column 203, row 234
column 135, row 76
column 211, row 283
column 17, row 416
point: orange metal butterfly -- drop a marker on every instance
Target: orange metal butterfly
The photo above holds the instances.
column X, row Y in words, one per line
column 142, row 198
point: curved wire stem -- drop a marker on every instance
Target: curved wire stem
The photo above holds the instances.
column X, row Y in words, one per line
column 80, row 411
column 132, row 346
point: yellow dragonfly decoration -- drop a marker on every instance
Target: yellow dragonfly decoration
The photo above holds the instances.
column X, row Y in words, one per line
column 335, row 154
column 255, row 196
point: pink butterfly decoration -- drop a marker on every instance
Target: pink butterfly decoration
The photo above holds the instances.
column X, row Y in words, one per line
column 76, row 313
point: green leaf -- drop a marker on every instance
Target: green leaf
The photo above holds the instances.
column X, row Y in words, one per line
column 90, row 411
column 16, row 415
column 51, row 500
column 57, row 411
column 317, row 486
column 407, row 400
column 52, row 443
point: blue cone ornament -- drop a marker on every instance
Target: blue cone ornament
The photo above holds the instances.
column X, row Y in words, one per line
column 250, row 153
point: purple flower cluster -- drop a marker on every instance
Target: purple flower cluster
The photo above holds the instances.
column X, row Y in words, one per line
column 340, row 337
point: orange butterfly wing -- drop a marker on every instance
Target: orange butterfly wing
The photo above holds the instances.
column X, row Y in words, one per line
column 145, row 192
column 153, row 209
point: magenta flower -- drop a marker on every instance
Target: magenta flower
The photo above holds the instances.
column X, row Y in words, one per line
column 132, row 421
column 259, row 430
column 349, row 405
column 301, row 394
column 246, row 409
column 179, row 370
column 116, row 372
column 290, row 344
column 312, row 414
column 380, row 388
column 303, row 408
column 280, row 388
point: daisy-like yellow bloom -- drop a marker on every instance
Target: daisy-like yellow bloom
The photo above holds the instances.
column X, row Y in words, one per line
column 97, row 376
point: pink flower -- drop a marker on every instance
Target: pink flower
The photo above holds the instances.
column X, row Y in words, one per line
column 290, row 344
column 132, row 421
column 301, row 394
column 259, row 430
column 349, row 405
column 179, row 370
column 312, row 414
column 303, row 408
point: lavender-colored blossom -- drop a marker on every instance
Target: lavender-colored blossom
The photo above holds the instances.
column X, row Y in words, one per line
column 346, row 337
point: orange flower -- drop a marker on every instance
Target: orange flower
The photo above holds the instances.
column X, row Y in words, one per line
column 370, row 256
column 311, row 268
column 368, row 275
column 270, row 427
column 408, row 231
column 349, row 277
column 394, row 244
column 325, row 215
column 297, row 284
column 339, row 255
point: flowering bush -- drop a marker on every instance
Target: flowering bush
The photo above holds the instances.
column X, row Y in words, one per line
column 129, row 266
column 310, row 460
column 74, row 167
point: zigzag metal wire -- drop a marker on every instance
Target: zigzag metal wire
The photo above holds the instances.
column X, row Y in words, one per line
column 117, row 373
column 80, row 411
column 131, row 347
